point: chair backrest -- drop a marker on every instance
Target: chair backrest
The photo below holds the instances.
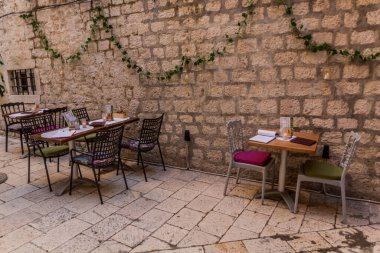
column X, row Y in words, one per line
column 349, row 152
column 57, row 115
column 235, row 135
column 107, row 143
column 36, row 124
column 10, row 108
column 81, row 113
column 150, row 130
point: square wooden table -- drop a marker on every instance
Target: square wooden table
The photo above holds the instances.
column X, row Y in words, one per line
column 71, row 142
column 285, row 147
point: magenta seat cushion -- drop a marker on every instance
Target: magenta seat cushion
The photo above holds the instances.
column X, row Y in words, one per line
column 259, row 158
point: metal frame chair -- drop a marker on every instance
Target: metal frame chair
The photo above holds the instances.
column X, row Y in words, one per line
column 81, row 113
column 236, row 145
column 12, row 125
column 325, row 173
column 149, row 138
column 57, row 115
column 105, row 147
column 36, row 125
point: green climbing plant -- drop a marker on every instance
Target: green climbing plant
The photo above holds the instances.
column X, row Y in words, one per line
column 101, row 21
column 312, row 46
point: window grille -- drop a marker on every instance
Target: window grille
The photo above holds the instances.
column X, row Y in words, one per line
column 22, row 82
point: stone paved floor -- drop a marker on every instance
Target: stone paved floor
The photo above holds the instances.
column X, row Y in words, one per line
column 176, row 211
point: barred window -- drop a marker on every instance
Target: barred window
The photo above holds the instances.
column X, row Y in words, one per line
column 22, row 82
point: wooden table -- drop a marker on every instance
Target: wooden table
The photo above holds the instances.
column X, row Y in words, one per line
column 71, row 142
column 285, row 147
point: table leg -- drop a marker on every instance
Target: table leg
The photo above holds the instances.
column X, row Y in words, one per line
column 281, row 183
column 282, row 171
column 62, row 187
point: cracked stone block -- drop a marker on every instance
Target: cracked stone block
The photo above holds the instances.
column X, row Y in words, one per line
column 186, row 218
column 131, row 236
column 216, row 223
column 203, row 203
column 170, row 234
column 231, row 205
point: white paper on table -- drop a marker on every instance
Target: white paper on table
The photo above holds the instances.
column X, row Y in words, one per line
column 60, row 133
column 267, row 133
column 262, row 138
column 115, row 120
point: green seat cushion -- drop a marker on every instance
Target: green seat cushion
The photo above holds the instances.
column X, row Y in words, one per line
column 88, row 137
column 53, row 151
column 322, row 169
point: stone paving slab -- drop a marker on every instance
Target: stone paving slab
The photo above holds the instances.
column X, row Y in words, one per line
column 176, row 211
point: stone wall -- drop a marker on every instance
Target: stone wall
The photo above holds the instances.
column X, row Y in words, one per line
column 265, row 75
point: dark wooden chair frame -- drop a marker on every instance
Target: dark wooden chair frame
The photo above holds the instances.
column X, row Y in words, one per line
column 36, row 125
column 106, row 145
column 149, row 135
column 10, row 108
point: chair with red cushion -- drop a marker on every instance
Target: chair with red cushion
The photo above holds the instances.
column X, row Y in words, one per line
column 259, row 161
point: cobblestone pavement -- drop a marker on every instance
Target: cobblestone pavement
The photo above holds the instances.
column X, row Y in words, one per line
column 175, row 211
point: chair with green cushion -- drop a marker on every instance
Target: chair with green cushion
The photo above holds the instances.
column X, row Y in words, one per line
column 37, row 125
column 327, row 173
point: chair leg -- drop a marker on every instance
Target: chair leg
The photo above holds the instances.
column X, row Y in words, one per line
column 47, row 174
column 28, row 164
column 263, row 186
column 71, row 177
column 344, row 207
column 21, row 143
column 143, row 167
column 58, row 164
column 297, row 194
column 238, row 175
column 138, row 159
column 228, row 177
column 162, row 159
column 274, row 175
column 80, row 172
column 122, row 171
column 99, row 174
column 6, row 140
column 97, row 185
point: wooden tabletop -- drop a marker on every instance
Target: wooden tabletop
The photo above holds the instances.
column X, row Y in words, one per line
column 290, row 146
column 64, row 140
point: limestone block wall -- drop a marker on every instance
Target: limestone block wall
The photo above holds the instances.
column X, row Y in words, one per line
column 264, row 75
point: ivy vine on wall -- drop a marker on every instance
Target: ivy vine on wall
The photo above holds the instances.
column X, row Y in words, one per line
column 99, row 18
column 100, row 21
column 312, row 46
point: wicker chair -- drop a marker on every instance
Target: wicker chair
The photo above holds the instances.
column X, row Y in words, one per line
column 37, row 125
column 81, row 113
column 105, row 148
column 149, row 138
column 252, row 160
column 12, row 125
column 326, row 173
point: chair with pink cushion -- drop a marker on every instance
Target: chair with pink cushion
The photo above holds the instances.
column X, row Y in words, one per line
column 259, row 161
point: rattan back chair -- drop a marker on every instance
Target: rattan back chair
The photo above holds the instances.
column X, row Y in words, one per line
column 149, row 138
column 252, row 160
column 328, row 173
column 105, row 148
column 37, row 125
column 12, row 125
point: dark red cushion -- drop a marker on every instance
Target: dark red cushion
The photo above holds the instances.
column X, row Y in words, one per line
column 259, row 158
